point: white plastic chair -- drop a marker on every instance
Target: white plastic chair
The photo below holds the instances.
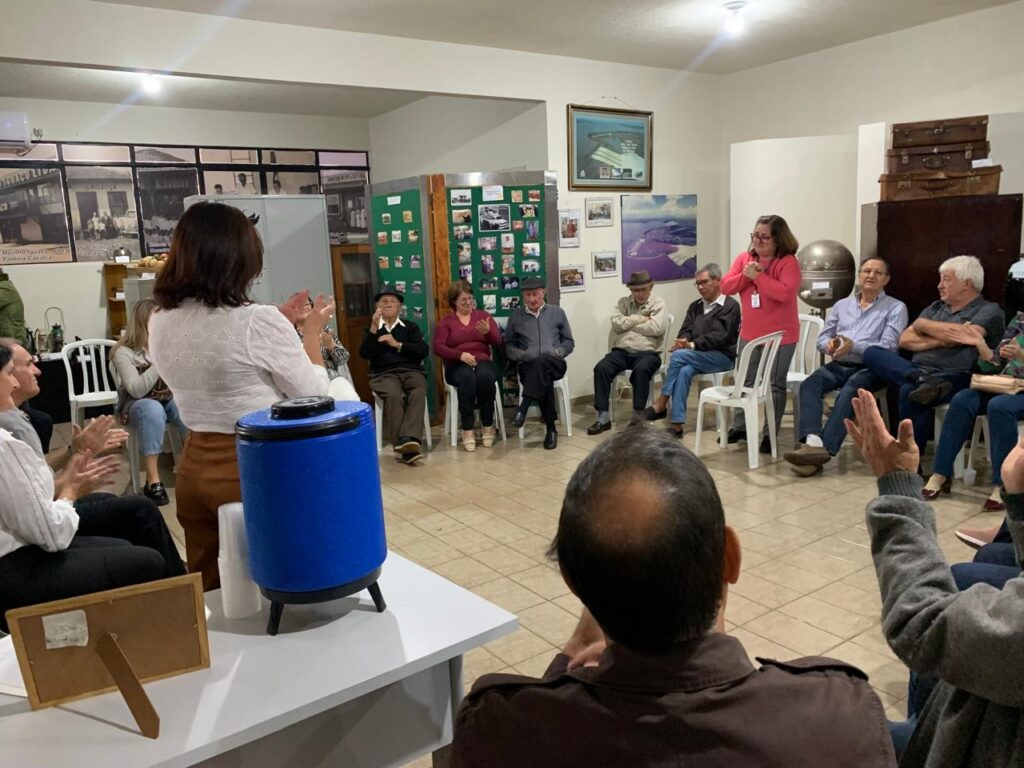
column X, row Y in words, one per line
column 561, row 403
column 620, row 382
column 961, row 456
column 981, row 428
column 451, row 411
column 810, row 328
column 747, row 398
column 98, row 387
column 378, row 415
column 716, row 380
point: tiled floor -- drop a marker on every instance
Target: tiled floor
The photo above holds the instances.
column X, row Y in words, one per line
column 484, row 520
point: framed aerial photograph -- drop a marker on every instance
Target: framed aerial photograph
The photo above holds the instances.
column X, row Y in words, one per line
column 659, row 235
column 609, row 149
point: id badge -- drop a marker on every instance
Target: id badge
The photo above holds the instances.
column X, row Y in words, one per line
column 755, row 301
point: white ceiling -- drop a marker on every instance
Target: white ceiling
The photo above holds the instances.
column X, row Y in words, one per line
column 42, row 81
column 677, row 34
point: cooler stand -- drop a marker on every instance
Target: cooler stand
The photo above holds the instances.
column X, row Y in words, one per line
column 279, row 599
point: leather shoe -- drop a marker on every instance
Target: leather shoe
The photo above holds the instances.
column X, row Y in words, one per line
column 930, row 391
column 735, row 435
column 518, row 419
column 766, row 445
column 597, row 428
column 993, row 505
column 157, row 494
column 928, row 494
column 652, row 415
column 550, row 440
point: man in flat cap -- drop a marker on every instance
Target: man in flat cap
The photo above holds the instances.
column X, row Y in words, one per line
column 639, row 324
column 538, row 337
column 396, row 350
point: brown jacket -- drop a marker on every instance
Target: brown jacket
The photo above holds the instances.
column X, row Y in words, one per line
column 703, row 705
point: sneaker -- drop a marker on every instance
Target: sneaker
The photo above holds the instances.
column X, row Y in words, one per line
column 808, row 456
column 157, row 494
column 930, row 391
column 406, row 445
column 807, row 471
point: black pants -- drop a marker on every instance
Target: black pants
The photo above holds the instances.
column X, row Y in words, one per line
column 120, row 541
column 476, row 390
column 538, row 377
column 644, row 366
column 42, row 423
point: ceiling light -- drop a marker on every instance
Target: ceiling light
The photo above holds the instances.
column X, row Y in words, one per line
column 735, row 24
column 151, row 84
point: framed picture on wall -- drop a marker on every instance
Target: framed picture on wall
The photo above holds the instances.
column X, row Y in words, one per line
column 599, row 212
column 604, row 263
column 569, row 228
column 609, row 149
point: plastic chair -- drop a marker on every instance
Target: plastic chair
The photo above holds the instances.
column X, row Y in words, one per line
column 716, row 380
column 981, row 428
column 98, row 387
column 747, row 398
column 961, row 456
column 617, row 387
column 810, row 328
column 451, row 411
column 378, row 415
column 561, row 403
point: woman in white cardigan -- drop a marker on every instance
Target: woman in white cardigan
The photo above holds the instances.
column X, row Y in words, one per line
column 224, row 356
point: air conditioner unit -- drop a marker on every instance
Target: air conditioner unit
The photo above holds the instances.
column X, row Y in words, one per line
column 15, row 132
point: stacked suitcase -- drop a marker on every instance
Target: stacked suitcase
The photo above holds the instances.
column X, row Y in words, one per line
column 935, row 158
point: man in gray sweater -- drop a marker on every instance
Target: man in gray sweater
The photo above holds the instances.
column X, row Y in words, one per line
column 538, row 337
column 972, row 642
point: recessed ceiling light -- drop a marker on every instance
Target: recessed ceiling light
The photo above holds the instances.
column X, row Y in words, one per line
column 151, row 84
column 735, row 24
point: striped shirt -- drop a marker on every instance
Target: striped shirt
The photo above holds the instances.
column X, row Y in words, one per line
column 880, row 325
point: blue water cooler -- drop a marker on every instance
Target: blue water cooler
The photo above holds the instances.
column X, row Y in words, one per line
column 314, row 515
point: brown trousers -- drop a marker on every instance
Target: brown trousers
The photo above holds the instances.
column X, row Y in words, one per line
column 401, row 419
column 207, row 477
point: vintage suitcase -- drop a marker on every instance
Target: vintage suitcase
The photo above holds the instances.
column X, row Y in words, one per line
column 921, row 185
column 930, row 132
column 938, row 157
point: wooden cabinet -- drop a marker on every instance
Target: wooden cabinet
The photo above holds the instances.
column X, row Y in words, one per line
column 113, row 287
column 353, row 294
column 916, row 236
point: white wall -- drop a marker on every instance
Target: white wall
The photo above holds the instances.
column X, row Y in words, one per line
column 446, row 134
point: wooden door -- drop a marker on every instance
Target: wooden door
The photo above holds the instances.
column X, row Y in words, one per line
column 353, row 293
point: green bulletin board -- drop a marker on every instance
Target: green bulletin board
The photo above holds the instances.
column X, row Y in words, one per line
column 399, row 232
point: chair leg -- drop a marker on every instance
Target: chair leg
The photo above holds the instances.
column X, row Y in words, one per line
column 426, row 429
column 773, row 438
column 522, row 429
column 750, row 413
column 499, row 413
column 796, row 418
column 133, row 460
column 378, row 417
column 700, row 428
column 566, row 410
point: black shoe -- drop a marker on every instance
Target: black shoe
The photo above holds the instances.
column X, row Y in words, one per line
column 735, row 436
column 410, row 458
column 157, row 494
column 677, row 433
column 597, row 428
column 930, row 391
column 766, row 445
column 652, row 415
column 406, row 445
column 518, row 419
column 550, row 439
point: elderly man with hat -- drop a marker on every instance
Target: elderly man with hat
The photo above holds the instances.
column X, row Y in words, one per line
column 639, row 324
column 539, row 339
column 396, row 350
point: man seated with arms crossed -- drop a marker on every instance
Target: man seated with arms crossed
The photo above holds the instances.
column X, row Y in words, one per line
column 396, row 350
column 538, row 337
column 706, row 344
column 639, row 325
column 965, row 649
column 944, row 341
column 649, row 678
column 868, row 318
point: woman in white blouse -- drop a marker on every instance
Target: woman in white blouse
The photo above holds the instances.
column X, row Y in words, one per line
column 223, row 357
column 50, row 550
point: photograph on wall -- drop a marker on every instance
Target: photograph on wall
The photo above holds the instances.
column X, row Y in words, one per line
column 494, row 218
column 104, row 222
column 599, row 212
column 531, row 266
column 516, row 195
column 348, row 223
column 488, row 283
column 462, row 215
column 493, row 193
column 510, row 283
column 659, row 235
column 461, row 196
column 532, row 230
column 465, row 251
column 508, row 244
column 487, row 243
column 508, row 303
column 163, row 192
column 33, row 223
column 570, row 278
column 604, row 263
column 528, row 211
column 281, row 183
column 569, row 228
column 463, row 233
column 490, row 302
column 609, row 149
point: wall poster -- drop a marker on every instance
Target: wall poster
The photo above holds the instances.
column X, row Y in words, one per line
column 659, row 235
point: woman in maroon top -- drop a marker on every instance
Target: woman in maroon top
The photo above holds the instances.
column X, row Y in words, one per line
column 463, row 340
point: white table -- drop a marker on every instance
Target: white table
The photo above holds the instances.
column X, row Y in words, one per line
column 341, row 685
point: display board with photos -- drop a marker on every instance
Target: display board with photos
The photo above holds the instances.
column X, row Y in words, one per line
column 398, row 242
column 497, row 240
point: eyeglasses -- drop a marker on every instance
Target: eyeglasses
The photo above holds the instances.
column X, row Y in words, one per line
column 755, row 237
column 702, row 283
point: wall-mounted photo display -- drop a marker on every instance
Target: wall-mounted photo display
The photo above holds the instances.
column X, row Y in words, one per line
column 604, row 263
column 609, row 149
column 569, row 228
column 104, row 221
column 33, row 221
column 570, row 278
column 598, row 212
column 232, row 183
column 659, row 235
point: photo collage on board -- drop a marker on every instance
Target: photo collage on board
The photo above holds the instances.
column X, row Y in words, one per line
column 497, row 240
column 398, row 249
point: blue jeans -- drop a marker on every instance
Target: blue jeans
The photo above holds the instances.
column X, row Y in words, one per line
column 151, row 419
column 901, row 372
column 994, row 564
column 683, row 365
column 1004, row 411
column 830, row 377
column 918, row 690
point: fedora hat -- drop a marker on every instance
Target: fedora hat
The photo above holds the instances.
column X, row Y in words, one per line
column 640, row 279
column 387, row 290
column 530, row 283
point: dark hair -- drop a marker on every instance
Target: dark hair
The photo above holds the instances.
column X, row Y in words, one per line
column 785, row 241
column 651, row 582
column 888, row 268
column 456, row 289
column 6, row 355
column 215, row 255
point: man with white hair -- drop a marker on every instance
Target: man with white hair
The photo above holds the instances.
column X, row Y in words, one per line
column 943, row 341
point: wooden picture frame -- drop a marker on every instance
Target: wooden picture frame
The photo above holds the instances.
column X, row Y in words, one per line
column 609, row 149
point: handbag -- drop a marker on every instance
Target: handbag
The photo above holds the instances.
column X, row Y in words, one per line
column 997, row 384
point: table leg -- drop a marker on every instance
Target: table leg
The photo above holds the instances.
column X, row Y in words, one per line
column 442, row 758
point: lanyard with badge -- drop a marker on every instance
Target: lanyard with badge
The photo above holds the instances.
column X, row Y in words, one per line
column 755, row 297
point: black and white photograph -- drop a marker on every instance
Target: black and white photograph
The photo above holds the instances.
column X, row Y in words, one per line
column 490, row 302
column 461, row 196
column 417, row 313
column 528, row 211
column 396, row 235
column 163, row 192
column 385, row 219
column 33, row 225
column 508, row 303
column 599, row 212
column 399, row 261
column 463, row 232
column 604, row 263
column 400, row 286
column 510, row 283
column 104, row 221
column 494, row 218
column 462, row 215
column 487, row 243
column 465, row 253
